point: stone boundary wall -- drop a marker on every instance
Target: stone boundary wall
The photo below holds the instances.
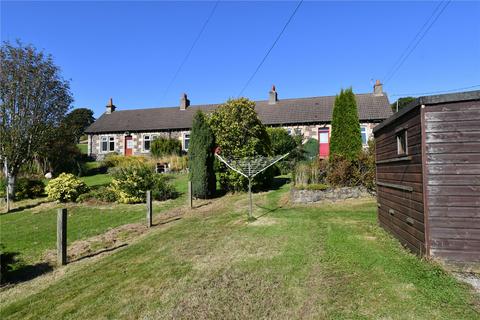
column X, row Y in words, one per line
column 333, row 194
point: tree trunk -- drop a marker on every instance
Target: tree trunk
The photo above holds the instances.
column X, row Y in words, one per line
column 11, row 185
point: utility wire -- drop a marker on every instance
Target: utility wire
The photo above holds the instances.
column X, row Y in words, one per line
column 190, row 50
column 434, row 92
column 271, row 48
column 409, row 52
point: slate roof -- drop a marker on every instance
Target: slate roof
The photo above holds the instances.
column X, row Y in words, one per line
column 371, row 108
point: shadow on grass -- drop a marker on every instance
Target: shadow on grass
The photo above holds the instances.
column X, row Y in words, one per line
column 13, row 271
column 24, row 207
column 267, row 210
column 166, row 221
column 93, row 254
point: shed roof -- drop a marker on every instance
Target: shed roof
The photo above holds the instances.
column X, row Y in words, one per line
column 430, row 100
column 371, row 108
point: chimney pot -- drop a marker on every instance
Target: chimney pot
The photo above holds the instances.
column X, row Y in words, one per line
column 110, row 107
column 184, row 102
column 378, row 88
column 273, row 96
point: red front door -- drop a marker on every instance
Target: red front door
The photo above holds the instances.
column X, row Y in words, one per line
column 324, row 142
column 128, row 145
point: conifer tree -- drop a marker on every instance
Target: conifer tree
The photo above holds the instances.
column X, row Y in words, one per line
column 346, row 139
column 201, row 158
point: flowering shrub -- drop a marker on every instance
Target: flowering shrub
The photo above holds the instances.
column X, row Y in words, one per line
column 65, row 188
column 130, row 184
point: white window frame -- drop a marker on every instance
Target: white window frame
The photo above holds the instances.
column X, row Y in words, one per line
column 364, row 129
column 108, row 139
column 184, row 137
column 151, row 138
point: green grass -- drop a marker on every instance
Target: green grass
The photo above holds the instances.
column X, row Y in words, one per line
column 97, row 180
column 325, row 262
column 83, row 147
column 31, row 232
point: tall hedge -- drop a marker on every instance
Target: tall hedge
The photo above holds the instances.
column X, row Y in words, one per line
column 239, row 133
column 346, row 139
column 165, row 147
column 201, row 158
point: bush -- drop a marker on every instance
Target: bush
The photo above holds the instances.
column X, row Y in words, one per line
column 367, row 167
column 102, row 194
column 310, row 149
column 161, row 147
column 130, row 184
column 26, row 188
column 310, row 172
column 342, row 172
column 283, row 143
column 3, row 187
column 239, row 133
column 346, row 139
column 201, row 156
column 66, row 187
column 315, row 186
column 176, row 163
column 114, row 160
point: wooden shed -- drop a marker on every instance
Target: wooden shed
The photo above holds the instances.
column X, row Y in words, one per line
column 428, row 177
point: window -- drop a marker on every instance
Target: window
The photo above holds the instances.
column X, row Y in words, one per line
column 186, row 141
column 402, row 146
column 289, row 130
column 363, row 131
column 147, row 141
column 107, row 144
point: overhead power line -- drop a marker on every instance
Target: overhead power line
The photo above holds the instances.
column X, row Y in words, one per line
column 434, row 92
column 177, row 72
column 271, row 48
column 417, row 39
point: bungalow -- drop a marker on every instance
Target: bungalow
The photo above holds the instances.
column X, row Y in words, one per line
column 130, row 132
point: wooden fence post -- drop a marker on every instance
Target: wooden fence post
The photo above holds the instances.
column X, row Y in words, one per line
column 62, row 236
column 149, row 208
column 190, row 195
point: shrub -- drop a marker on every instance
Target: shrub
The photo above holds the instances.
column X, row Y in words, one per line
column 176, row 163
column 282, row 142
column 239, row 133
column 66, row 187
column 3, row 187
column 102, row 194
column 367, row 167
column 164, row 147
column 310, row 149
column 346, row 139
column 315, row 186
column 114, row 160
column 342, row 172
column 29, row 188
column 310, row 172
column 200, row 152
column 130, row 184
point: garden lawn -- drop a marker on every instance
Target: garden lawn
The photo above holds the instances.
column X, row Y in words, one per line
column 323, row 262
column 30, row 232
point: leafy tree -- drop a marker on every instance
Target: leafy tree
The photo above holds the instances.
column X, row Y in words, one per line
column 33, row 98
column 165, row 147
column 346, row 139
column 311, row 148
column 78, row 120
column 281, row 143
column 201, row 158
column 402, row 103
column 239, row 133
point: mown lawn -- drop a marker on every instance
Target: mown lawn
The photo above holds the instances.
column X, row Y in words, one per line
column 323, row 262
column 30, row 232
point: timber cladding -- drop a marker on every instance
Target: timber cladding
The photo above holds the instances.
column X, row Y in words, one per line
column 428, row 177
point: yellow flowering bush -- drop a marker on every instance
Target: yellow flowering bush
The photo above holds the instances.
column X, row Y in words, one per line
column 65, row 188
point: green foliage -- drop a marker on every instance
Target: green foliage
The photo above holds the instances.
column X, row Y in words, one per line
column 130, row 183
column 78, row 120
column 311, row 148
column 315, row 187
column 175, row 163
column 281, row 143
column 346, row 139
column 65, row 188
column 27, row 188
column 115, row 160
column 161, row 147
column 3, row 187
column 239, row 133
column 102, row 194
column 402, row 103
column 310, row 172
column 200, row 153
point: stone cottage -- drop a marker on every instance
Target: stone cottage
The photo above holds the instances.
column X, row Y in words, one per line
column 130, row 132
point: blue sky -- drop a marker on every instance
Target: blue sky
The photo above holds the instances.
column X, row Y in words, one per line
column 130, row 50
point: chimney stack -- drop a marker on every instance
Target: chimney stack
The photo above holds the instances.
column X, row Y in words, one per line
column 378, row 88
column 184, row 102
column 110, row 107
column 273, row 97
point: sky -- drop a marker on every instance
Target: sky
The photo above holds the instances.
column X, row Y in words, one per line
column 130, row 51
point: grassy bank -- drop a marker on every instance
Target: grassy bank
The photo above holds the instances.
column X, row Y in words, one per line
column 325, row 262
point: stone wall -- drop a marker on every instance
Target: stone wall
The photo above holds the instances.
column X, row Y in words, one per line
column 334, row 194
